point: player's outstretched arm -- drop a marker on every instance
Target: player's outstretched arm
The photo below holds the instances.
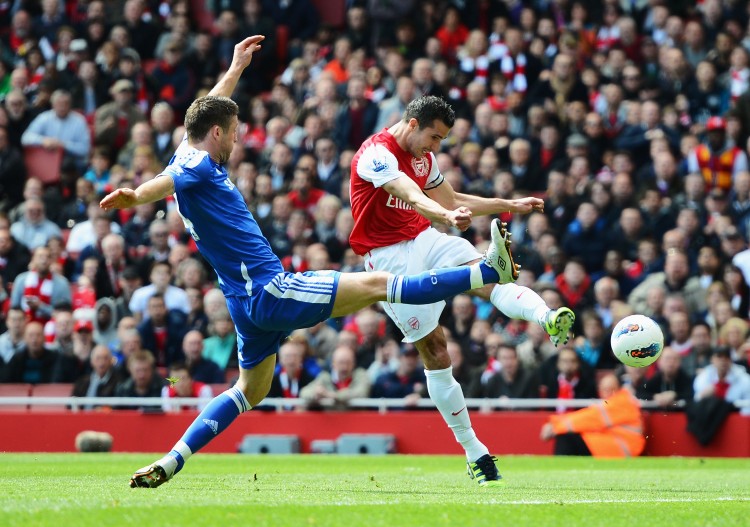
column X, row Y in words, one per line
column 479, row 206
column 243, row 55
column 153, row 190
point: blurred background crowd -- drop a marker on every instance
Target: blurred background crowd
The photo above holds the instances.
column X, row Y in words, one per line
column 630, row 118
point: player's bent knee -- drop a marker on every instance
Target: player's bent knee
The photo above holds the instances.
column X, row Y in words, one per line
column 255, row 383
column 255, row 394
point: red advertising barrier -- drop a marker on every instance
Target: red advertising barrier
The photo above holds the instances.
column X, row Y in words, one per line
column 416, row 432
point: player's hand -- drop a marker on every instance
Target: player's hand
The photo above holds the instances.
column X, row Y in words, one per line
column 122, row 198
column 243, row 51
column 526, row 205
column 460, row 218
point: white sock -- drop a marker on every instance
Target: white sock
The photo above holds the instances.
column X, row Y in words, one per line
column 182, row 448
column 169, row 462
column 447, row 395
column 519, row 302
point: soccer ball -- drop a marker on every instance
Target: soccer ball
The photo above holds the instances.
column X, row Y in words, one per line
column 637, row 341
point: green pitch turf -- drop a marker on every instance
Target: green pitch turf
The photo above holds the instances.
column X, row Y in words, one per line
column 248, row 491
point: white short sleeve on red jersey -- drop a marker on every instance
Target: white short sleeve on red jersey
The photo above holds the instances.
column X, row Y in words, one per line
column 378, row 165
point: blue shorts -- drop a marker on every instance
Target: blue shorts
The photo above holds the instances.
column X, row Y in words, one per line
column 290, row 301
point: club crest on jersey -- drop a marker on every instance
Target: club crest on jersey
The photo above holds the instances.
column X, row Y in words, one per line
column 421, row 166
column 414, row 323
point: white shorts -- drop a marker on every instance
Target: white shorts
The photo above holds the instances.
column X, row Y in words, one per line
column 431, row 249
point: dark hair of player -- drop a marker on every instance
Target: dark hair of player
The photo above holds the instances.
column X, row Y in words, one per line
column 207, row 112
column 427, row 110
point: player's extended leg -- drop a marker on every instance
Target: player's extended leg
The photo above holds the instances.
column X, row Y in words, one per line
column 521, row 303
column 358, row 290
column 250, row 389
column 446, row 393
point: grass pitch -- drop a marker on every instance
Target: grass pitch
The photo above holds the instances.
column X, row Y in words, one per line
column 63, row 490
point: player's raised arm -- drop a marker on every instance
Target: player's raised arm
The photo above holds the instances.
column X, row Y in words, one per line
column 152, row 190
column 243, row 55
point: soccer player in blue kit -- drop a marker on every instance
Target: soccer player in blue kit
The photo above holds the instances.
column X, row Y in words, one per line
column 265, row 302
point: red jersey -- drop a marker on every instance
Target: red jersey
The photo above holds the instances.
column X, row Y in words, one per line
column 198, row 387
column 380, row 219
column 309, row 204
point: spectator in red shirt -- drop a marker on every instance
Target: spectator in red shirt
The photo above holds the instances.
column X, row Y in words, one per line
column 304, row 196
column 172, row 80
column 344, row 382
column 183, row 385
column 575, row 284
column 291, row 376
column 452, row 34
column 563, row 376
column 21, row 30
column 162, row 332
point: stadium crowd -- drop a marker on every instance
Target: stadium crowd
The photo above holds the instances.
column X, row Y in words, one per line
column 630, row 119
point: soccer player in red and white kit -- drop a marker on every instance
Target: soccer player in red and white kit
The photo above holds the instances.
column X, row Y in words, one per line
column 396, row 191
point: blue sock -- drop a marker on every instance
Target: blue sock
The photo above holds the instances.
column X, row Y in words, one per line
column 489, row 275
column 213, row 420
column 432, row 286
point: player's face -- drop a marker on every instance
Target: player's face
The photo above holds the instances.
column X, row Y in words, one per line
column 427, row 139
column 227, row 140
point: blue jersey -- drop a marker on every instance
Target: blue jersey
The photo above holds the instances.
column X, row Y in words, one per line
column 216, row 216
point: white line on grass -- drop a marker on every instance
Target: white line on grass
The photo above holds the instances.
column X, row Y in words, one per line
column 500, row 501
column 564, row 501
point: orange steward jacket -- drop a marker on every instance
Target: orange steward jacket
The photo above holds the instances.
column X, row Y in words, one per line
column 717, row 169
column 610, row 428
